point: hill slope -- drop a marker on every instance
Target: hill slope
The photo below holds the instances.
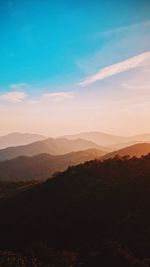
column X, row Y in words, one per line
column 82, row 207
column 42, row 166
column 51, row 146
column 136, row 150
column 9, row 189
column 17, row 139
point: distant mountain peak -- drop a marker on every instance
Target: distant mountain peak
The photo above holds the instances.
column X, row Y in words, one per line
column 16, row 139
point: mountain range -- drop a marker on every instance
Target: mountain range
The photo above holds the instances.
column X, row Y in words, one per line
column 53, row 146
column 107, row 141
column 110, row 141
column 17, row 139
column 41, row 167
column 94, row 202
column 41, row 159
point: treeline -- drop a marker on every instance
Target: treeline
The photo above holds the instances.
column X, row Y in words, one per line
column 39, row 255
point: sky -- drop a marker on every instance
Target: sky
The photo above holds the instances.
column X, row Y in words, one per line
column 72, row 66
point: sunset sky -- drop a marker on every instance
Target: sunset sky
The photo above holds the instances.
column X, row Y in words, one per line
column 71, row 66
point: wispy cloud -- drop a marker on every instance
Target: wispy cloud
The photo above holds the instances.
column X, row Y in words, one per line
column 13, row 97
column 118, row 44
column 131, row 63
column 58, row 96
column 18, row 86
column 128, row 28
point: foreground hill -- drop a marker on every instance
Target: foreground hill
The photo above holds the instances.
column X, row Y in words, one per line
column 51, row 146
column 82, row 208
column 136, row 150
column 17, row 139
column 41, row 167
column 9, row 189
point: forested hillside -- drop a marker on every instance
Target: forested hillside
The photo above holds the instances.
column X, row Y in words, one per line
column 84, row 209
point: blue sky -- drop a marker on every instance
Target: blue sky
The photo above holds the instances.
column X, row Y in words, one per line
column 60, row 50
column 41, row 40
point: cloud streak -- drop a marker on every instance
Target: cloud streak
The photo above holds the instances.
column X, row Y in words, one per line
column 131, row 63
column 58, row 96
column 121, row 29
column 13, row 97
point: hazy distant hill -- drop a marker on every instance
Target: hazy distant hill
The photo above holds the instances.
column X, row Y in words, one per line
column 141, row 137
column 112, row 142
column 137, row 150
column 106, row 141
column 99, row 138
column 17, row 139
column 42, row 166
column 51, row 146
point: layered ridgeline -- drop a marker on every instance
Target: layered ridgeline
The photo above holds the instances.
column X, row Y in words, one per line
column 102, row 139
column 82, row 208
column 17, row 139
column 111, row 141
column 41, row 167
column 53, row 146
